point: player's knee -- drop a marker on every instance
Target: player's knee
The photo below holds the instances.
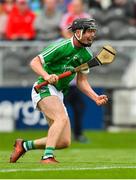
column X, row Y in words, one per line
column 64, row 144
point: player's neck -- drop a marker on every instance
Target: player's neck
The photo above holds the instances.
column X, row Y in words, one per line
column 76, row 43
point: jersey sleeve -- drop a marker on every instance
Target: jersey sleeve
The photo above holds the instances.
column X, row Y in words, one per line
column 48, row 55
column 53, row 52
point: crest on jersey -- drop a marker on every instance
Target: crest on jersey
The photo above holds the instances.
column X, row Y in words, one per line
column 78, row 59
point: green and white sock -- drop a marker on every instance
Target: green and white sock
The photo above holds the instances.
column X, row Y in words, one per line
column 49, row 152
column 28, row 145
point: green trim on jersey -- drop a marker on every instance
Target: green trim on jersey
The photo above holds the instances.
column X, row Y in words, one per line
column 63, row 56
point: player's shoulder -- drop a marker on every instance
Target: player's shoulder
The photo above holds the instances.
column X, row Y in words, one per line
column 89, row 51
column 61, row 43
column 86, row 52
column 58, row 45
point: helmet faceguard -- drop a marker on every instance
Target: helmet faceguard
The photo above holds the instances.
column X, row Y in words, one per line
column 83, row 24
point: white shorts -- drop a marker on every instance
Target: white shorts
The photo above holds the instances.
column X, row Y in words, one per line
column 52, row 91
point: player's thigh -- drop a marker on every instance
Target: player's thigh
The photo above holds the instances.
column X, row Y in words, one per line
column 53, row 108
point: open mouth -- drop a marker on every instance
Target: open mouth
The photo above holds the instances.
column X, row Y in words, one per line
column 90, row 40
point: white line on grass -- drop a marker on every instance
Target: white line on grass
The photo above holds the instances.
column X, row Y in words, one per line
column 67, row 169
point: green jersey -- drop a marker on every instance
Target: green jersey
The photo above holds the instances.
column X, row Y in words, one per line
column 62, row 56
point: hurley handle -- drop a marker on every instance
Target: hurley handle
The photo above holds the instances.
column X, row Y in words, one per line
column 63, row 75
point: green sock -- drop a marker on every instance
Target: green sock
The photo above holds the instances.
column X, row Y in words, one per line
column 28, row 145
column 49, row 151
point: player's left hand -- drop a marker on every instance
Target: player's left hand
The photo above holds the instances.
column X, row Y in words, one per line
column 101, row 100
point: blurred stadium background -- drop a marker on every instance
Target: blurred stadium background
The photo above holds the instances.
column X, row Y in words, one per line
column 117, row 26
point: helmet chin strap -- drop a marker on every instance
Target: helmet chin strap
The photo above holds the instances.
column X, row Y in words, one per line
column 79, row 38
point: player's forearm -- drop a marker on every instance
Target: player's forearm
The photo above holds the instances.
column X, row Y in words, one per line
column 87, row 90
column 37, row 67
column 84, row 86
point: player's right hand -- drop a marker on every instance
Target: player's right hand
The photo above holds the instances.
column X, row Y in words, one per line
column 52, row 78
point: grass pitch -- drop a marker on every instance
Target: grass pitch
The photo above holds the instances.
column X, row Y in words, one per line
column 106, row 156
